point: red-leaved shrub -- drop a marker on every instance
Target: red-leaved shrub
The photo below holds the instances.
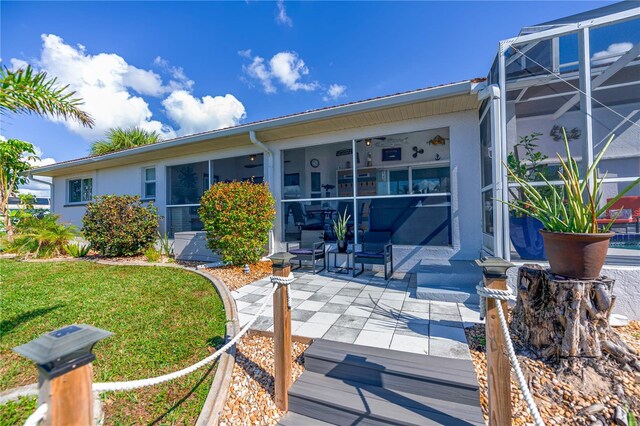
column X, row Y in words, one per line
column 237, row 217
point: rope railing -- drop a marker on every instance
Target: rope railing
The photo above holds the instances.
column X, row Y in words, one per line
column 507, row 295
column 40, row 412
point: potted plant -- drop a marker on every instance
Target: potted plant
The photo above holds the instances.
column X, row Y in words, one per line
column 340, row 228
column 574, row 244
column 523, row 227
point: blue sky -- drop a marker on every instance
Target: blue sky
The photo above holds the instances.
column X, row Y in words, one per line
column 184, row 67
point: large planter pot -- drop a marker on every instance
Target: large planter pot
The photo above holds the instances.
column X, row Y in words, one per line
column 576, row 255
column 524, row 233
column 342, row 246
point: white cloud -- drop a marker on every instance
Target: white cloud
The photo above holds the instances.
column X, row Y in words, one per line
column 16, row 64
column 282, row 18
column 179, row 80
column 113, row 91
column 287, row 68
column 259, row 71
column 334, row 92
column 195, row 115
column 245, row 53
column 613, row 49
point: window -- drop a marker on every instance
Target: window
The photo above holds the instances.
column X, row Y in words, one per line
column 80, row 190
column 149, row 184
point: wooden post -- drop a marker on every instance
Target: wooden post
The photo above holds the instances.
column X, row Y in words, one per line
column 282, row 339
column 65, row 383
column 498, row 367
column 69, row 397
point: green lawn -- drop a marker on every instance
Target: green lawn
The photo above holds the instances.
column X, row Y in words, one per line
column 163, row 319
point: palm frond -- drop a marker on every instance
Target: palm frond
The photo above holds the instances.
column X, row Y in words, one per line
column 25, row 91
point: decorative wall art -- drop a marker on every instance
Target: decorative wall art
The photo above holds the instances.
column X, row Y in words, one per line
column 417, row 151
column 556, row 133
column 392, row 154
column 437, row 140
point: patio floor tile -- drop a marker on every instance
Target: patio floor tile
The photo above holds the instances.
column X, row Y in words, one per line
column 359, row 311
column 263, row 323
column 444, row 307
column 350, row 321
column 329, row 290
column 386, row 325
column 324, row 318
column 445, row 332
column 349, row 292
column 413, row 328
column 416, row 305
column 415, row 344
column 310, row 305
column 312, row 330
column 301, row 315
column 319, row 297
column 334, row 308
column 251, row 298
column 342, row 334
column 374, row 338
column 448, row 348
column 299, row 294
column 347, row 300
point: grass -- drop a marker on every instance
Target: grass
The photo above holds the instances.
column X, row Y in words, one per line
column 163, row 319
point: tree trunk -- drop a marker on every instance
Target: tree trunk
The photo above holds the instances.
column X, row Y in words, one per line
column 567, row 318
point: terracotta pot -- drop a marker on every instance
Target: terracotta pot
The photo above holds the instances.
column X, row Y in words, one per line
column 576, row 255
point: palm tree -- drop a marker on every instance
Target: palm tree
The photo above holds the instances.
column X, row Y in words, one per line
column 25, row 91
column 118, row 139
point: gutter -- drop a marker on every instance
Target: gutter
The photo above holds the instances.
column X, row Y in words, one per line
column 51, row 191
column 269, row 172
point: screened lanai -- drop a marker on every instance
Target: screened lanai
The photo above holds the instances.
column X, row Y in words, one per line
column 580, row 74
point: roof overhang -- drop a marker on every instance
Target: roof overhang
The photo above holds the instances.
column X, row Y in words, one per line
column 443, row 99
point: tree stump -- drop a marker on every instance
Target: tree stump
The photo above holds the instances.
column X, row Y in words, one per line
column 567, row 318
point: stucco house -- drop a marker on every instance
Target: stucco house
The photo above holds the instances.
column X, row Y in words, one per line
column 424, row 165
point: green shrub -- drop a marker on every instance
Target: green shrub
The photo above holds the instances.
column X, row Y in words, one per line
column 41, row 236
column 237, row 217
column 152, row 254
column 120, row 225
column 77, row 249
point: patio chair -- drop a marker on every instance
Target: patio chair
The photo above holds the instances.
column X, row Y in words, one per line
column 303, row 220
column 310, row 248
column 376, row 250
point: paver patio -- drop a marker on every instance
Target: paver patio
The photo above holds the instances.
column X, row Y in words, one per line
column 366, row 310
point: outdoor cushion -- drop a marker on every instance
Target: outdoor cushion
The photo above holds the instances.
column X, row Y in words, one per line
column 623, row 213
column 308, row 251
column 617, row 221
column 371, row 255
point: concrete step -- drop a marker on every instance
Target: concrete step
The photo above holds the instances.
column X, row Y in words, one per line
column 431, row 376
column 448, row 294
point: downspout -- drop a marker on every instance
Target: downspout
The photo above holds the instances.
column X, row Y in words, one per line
column 51, row 191
column 269, row 157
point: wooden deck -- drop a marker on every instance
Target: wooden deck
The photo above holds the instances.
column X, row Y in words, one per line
column 347, row 384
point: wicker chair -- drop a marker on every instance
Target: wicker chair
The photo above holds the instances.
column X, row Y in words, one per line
column 376, row 250
column 309, row 248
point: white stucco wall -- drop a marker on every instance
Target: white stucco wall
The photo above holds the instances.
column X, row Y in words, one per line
column 465, row 180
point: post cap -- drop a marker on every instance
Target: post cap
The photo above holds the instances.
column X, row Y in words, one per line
column 67, row 346
column 494, row 266
column 281, row 258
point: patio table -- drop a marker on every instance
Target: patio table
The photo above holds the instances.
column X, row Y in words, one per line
column 335, row 253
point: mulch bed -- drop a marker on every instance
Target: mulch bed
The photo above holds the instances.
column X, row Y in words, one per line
column 234, row 276
column 562, row 396
column 251, row 394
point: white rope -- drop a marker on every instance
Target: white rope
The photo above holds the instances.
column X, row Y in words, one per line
column 284, row 281
column 134, row 384
column 496, row 294
column 37, row 415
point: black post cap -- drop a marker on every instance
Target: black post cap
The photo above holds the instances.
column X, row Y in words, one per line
column 63, row 350
column 494, row 266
